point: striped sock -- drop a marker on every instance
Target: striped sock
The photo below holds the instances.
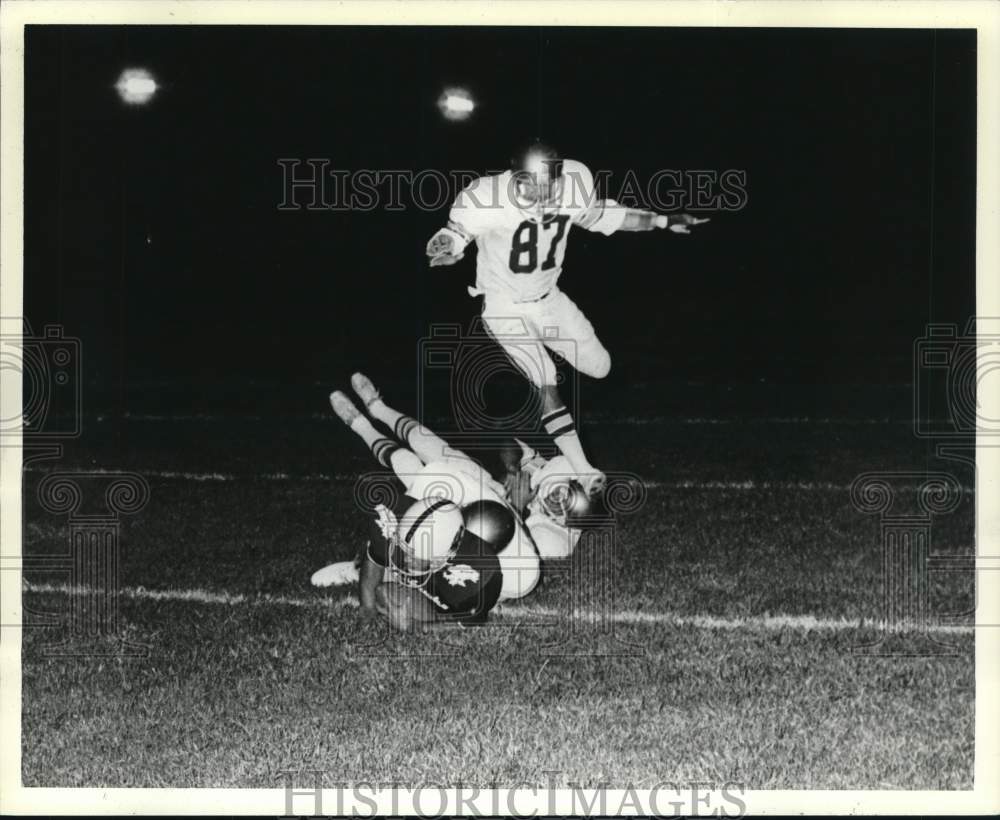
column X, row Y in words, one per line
column 427, row 445
column 560, row 425
column 402, row 425
column 381, row 446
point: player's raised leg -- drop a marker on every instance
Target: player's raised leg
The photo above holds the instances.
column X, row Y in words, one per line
column 576, row 340
column 558, row 423
column 521, row 339
column 426, row 444
column 389, row 454
column 387, row 451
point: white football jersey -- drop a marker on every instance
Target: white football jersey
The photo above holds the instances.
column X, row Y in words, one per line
column 460, row 480
column 518, row 257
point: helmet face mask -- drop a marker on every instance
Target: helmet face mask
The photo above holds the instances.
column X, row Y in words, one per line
column 538, row 182
column 408, row 568
column 412, row 567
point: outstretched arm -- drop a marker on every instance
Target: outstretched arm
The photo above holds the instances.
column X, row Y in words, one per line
column 607, row 216
column 637, row 220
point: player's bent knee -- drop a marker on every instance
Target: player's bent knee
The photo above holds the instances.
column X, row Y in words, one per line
column 598, row 367
column 605, row 367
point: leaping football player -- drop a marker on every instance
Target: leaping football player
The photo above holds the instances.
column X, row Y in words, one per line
column 519, row 221
column 453, row 541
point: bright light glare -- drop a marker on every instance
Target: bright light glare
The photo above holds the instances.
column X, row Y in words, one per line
column 535, row 163
column 456, row 104
column 136, row 86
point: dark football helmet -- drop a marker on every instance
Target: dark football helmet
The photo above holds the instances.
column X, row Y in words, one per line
column 491, row 521
column 537, row 176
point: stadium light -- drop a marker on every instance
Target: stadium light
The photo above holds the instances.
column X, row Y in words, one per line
column 136, row 86
column 456, row 104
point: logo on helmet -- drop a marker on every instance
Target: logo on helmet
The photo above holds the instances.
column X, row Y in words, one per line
column 458, row 575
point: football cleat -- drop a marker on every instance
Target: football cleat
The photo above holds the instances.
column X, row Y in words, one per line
column 336, row 575
column 344, row 407
column 594, row 483
column 365, row 389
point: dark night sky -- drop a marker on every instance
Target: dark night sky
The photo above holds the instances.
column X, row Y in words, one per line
column 859, row 150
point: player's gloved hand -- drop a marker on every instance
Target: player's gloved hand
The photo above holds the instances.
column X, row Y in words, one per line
column 445, row 259
column 442, row 250
column 678, row 223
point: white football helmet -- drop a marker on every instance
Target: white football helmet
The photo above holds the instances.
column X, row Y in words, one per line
column 537, row 182
column 427, row 536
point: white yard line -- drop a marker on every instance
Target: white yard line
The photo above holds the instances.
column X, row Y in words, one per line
column 183, row 475
column 197, row 596
column 515, row 612
column 749, row 484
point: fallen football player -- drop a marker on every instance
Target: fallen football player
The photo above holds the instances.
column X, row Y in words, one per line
column 455, row 544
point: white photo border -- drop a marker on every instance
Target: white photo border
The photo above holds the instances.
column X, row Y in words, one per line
column 982, row 15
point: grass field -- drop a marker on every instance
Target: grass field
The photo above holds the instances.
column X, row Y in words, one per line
column 740, row 588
